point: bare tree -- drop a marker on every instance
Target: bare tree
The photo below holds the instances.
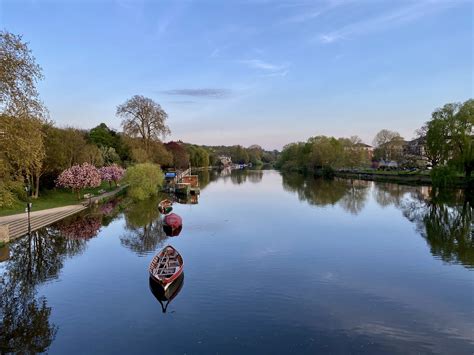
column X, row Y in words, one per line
column 384, row 136
column 143, row 118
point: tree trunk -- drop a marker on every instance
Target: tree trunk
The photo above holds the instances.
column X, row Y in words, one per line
column 37, row 184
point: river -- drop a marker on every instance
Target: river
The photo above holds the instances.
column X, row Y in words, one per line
column 274, row 264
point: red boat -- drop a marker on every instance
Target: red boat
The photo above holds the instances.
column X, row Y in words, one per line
column 166, row 266
column 173, row 221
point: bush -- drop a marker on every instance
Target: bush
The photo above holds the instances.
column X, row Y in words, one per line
column 443, row 176
column 144, row 180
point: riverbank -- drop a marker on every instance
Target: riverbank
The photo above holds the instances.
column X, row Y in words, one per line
column 16, row 225
column 405, row 178
column 57, row 198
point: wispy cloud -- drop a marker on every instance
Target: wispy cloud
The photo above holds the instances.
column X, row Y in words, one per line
column 310, row 12
column 260, row 64
column 204, row 92
column 268, row 69
column 395, row 18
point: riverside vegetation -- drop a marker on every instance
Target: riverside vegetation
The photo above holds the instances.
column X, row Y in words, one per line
column 36, row 154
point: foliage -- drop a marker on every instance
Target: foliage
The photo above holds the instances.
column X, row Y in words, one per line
column 19, row 74
column 180, row 155
column 198, row 156
column 157, row 153
column 449, row 136
column 144, row 180
column 322, row 154
column 443, row 176
column 79, row 177
column 23, row 148
column 143, row 118
column 111, row 173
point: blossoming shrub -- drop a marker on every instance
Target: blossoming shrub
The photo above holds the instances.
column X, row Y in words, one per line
column 79, row 177
column 111, row 173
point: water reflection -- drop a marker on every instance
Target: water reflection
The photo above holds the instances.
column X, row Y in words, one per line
column 143, row 227
column 443, row 218
column 320, row 192
column 80, row 226
column 163, row 296
column 34, row 259
column 446, row 224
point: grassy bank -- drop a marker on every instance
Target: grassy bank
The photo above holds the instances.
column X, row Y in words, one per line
column 53, row 198
column 399, row 177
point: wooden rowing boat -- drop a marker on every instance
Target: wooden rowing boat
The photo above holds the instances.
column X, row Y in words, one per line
column 165, row 206
column 166, row 266
column 166, row 296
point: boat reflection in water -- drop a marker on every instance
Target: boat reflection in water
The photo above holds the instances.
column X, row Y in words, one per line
column 172, row 224
column 166, row 296
column 188, row 200
column 172, row 232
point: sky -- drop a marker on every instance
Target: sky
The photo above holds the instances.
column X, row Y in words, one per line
column 251, row 71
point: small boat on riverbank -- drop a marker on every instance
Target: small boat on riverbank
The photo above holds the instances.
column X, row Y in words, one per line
column 165, row 206
column 166, row 266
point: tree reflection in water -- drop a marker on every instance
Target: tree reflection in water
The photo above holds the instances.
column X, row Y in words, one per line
column 81, row 226
column 144, row 231
column 351, row 194
column 35, row 259
column 443, row 219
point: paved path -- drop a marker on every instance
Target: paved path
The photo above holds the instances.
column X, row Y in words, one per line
column 14, row 226
column 17, row 225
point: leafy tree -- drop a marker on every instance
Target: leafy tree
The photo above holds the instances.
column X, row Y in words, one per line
column 144, row 180
column 19, row 74
column 450, row 137
column 79, row 177
column 143, row 118
column 23, row 148
column 198, row 157
column 180, row 155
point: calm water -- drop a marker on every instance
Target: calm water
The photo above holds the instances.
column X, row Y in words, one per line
column 273, row 265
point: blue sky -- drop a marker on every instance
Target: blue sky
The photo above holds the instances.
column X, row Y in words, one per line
column 245, row 72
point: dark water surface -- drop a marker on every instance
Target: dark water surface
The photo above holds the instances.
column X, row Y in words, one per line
column 273, row 265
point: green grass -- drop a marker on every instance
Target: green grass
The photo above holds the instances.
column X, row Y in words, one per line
column 53, row 198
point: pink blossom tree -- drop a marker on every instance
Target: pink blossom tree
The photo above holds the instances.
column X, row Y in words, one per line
column 111, row 173
column 79, row 177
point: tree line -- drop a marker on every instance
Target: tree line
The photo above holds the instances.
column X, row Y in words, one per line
column 34, row 151
column 445, row 143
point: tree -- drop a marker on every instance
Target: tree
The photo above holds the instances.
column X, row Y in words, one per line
column 449, row 136
column 23, row 148
column 180, row 155
column 198, row 156
column 143, row 118
column 389, row 145
column 79, row 177
column 111, row 173
column 144, row 180
column 19, row 74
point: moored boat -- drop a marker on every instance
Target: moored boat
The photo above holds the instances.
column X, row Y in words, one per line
column 165, row 206
column 173, row 221
column 166, row 266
